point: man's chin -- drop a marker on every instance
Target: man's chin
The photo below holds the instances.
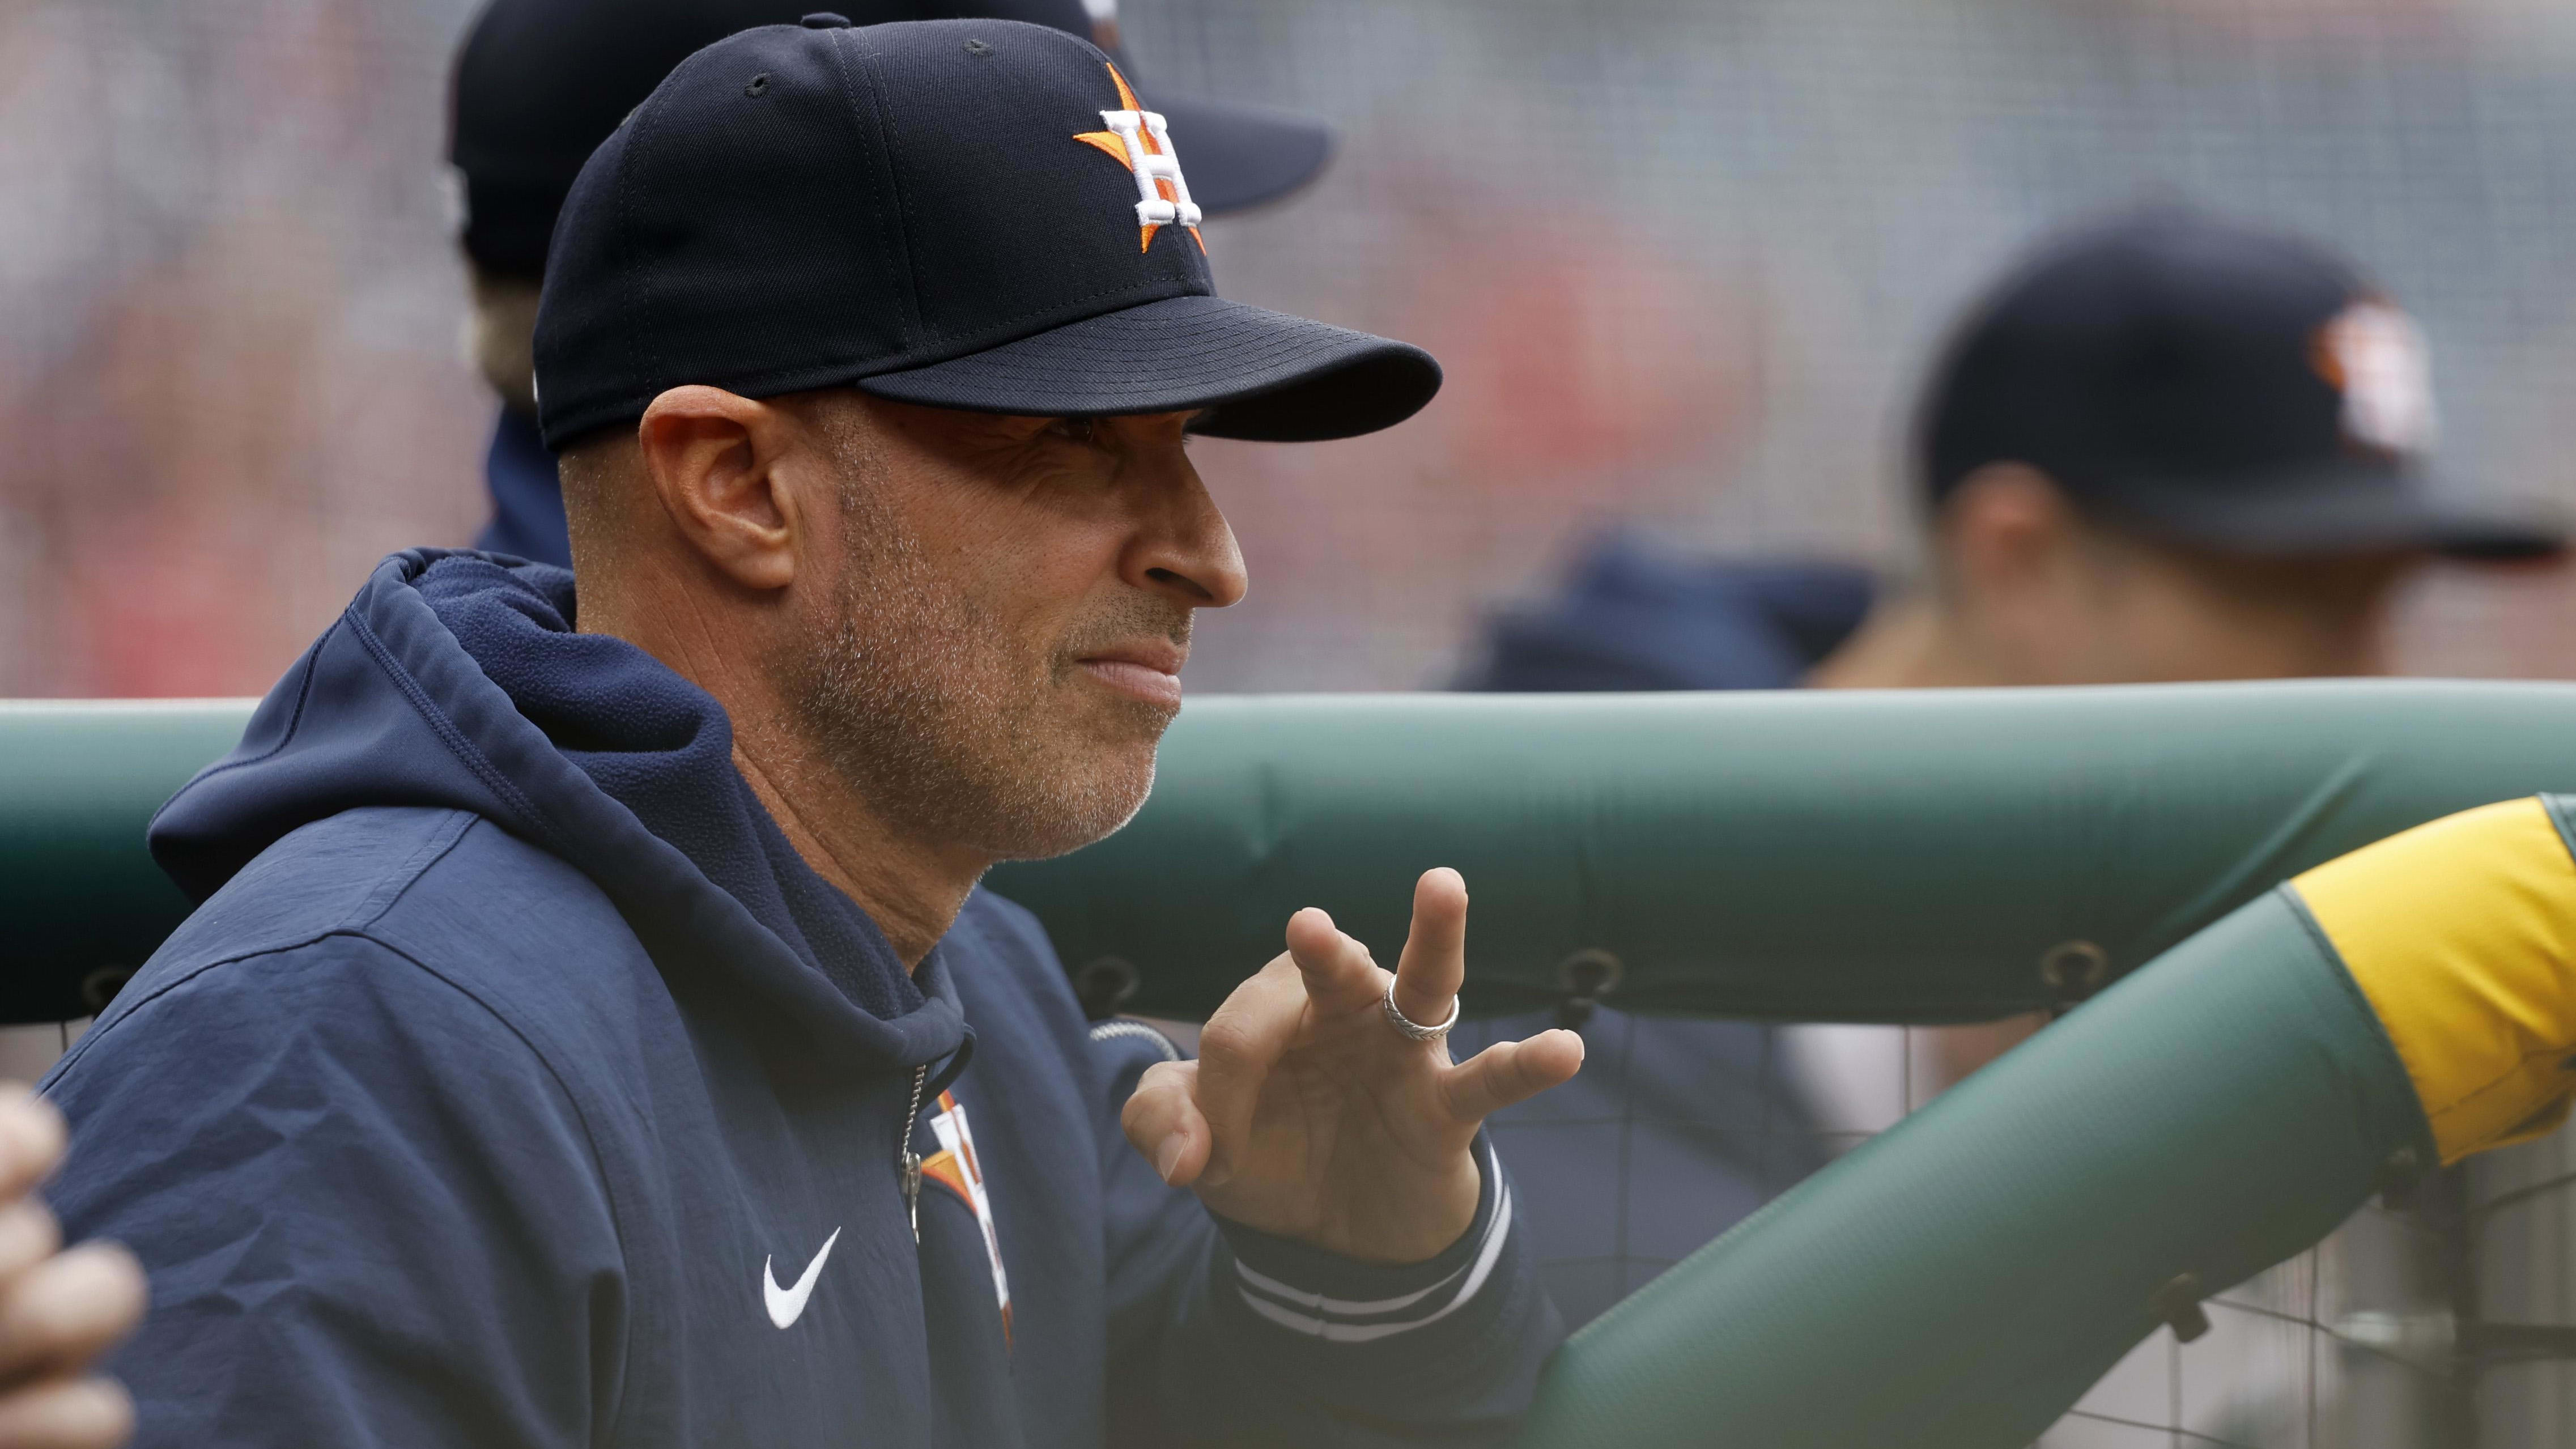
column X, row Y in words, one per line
column 1082, row 803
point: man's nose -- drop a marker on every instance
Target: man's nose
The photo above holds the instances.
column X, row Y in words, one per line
column 1183, row 548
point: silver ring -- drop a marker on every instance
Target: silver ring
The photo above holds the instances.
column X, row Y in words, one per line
column 1395, row 1016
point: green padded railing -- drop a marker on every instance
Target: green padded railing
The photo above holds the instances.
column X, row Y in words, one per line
column 1920, row 856
column 1926, row 856
column 1957, row 1282
column 80, row 898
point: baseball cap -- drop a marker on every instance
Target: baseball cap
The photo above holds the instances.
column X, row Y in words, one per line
column 538, row 84
column 972, row 214
column 2225, row 385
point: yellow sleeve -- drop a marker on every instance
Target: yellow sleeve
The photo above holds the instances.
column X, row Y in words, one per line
column 2462, row 934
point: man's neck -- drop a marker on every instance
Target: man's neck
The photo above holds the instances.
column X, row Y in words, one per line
column 1906, row 642
column 910, row 889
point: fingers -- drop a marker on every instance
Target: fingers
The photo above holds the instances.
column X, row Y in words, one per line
column 31, row 1140
column 69, row 1310
column 58, row 1312
column 1341, row 976
column 78, row 1414
column 1339, row 973
column 28, row 1236
column 1434, row 963
column 1162, row 1121
column 1511, row 1071
column 1241, row 1043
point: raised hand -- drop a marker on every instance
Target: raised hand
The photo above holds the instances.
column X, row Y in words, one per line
column 59, row 1311
column 1311, row 1115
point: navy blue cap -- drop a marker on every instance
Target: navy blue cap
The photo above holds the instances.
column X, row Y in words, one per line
column 2229, row 386
column 968, row 214
column 538, row 84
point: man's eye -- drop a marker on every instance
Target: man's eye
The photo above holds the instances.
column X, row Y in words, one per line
column 1075, row 430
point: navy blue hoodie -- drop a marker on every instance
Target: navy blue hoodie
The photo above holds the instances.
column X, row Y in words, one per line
column 527, row 496
column 1633, row 617
column 517, row 1084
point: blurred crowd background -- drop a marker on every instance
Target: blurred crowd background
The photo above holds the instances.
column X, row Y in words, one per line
column 1684, row 260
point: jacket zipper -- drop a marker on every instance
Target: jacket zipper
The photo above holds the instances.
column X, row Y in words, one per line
column 907, row 1161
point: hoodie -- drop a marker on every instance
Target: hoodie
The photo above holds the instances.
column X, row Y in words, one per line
column 527, row 495
column 517, row 1084
column 1678, row 1128
column 1631, row 618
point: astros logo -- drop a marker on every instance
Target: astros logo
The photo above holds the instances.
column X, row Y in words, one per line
column 956, row 1167
column 1139, row 141
column 2374, row 355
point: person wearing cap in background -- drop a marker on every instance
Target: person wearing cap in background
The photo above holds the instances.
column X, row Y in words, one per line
column 2173, row 447
column 593, row 1032
column 2168, row 446
column 538, row 84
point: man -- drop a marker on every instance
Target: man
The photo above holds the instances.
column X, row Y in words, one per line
column 540, row 83
column 593, row 1033
column 2168, row 447
column 2173, row 447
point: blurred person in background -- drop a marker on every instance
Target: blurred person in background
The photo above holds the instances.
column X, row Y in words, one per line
column 2173, row 448
column 2167, row 447
column 540, row 83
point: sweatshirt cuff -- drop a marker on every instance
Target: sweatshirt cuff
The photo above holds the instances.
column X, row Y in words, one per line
column 1324, row 1296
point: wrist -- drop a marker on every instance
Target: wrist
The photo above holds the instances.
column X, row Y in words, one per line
column 1419, row 1225
column 1398, row 1219
column 1314, row 1289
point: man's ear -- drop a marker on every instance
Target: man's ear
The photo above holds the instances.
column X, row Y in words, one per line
column 2021, row 575
column 2006, row 528
column 713, row 458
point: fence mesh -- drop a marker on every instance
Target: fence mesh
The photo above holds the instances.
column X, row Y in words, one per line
column 2279, row 1367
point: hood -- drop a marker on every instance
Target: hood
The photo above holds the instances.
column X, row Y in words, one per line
column 1631, row 617
column 455, row 680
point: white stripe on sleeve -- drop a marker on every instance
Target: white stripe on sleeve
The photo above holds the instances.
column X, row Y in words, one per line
column 1326, row 1318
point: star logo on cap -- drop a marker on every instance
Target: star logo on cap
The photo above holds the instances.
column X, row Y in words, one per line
column 1139, row 141
column 2374, row 355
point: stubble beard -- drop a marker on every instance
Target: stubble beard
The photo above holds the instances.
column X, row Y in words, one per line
column 918, row 701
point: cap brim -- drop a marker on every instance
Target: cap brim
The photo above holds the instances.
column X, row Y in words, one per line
column 2363, row 508
column 1241, row 156
column 1261, row 375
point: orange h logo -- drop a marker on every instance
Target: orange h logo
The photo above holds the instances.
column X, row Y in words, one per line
column 1139, row 141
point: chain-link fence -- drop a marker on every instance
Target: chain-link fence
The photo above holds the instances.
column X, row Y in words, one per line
column 2433, row 1320
column 2513, row 1307
column 2334, row 1349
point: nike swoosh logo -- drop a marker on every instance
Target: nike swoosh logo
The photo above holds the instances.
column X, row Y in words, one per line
column 786, row 1305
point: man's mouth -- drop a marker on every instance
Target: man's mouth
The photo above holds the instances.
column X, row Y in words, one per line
column 1148, row 671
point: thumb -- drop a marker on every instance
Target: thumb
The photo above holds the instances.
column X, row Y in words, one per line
column 1163, row 1122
